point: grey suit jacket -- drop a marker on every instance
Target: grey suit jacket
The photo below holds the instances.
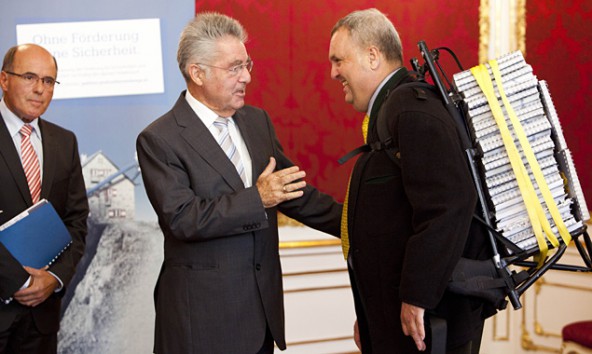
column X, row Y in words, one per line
column 221, row 282
column 63, row 186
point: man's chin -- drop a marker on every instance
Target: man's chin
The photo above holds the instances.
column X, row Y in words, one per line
column 359, row 107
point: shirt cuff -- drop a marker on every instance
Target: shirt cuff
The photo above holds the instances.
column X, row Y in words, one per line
column 59, row 288
column 26, row 284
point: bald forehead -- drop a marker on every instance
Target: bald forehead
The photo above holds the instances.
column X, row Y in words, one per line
column 33, row 53
column 34, row 50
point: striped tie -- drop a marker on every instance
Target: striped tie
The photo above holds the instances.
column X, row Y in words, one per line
column 30, row 163
column 344, row 230
column 228, row 146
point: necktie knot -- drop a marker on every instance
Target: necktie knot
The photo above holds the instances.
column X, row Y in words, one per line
column 221, row 123
column 26, row 130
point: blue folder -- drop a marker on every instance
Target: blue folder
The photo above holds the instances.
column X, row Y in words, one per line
column 37, row 236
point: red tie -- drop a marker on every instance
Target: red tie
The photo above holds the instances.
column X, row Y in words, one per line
column 30, row 163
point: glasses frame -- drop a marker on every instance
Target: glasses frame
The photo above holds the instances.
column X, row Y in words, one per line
column 233, row 70
column 32, row 79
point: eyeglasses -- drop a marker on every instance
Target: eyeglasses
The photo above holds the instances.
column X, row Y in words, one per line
column 32, row 79
column 235, row 70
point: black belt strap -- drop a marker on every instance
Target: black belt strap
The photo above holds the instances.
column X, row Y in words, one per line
column 438, row 328
column 354, row 152
column 375, row 146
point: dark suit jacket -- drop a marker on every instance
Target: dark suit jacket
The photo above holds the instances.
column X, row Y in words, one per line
column 221, row 281
column 63, row 186
column 408, row 225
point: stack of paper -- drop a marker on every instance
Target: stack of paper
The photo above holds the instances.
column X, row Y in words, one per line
column 531, row 101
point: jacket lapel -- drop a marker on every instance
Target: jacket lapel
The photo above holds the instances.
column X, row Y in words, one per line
column 393, row 82
column 258, row 161
column 50, row 148
column 197, row 135
column 10, row 155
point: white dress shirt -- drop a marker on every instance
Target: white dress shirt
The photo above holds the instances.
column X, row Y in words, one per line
column 208, row 116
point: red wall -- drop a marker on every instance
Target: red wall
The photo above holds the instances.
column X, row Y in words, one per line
column 559, row 48
column 289, row 40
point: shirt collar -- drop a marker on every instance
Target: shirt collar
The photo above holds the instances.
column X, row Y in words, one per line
column 14, row 123
column 206, row 115
column 375, row 94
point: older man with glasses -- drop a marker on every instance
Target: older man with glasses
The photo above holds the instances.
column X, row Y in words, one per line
column 216, row 176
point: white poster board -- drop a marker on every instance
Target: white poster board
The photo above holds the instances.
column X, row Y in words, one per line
column 101, row 58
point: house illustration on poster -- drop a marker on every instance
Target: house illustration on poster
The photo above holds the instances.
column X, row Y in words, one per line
column 110, row 191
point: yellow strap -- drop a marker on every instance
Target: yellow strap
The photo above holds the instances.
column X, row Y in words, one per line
column 344, row 229
column 365, row 123
column 534, row 166
column 481, row 74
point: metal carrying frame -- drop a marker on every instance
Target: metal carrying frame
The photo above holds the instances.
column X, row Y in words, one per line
column 515, row 284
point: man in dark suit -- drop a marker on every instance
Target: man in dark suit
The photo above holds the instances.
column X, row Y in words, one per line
column 220, row 286
column 407, row 222
column 30, row 306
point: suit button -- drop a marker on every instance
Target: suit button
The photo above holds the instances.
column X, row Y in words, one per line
column 258, row 266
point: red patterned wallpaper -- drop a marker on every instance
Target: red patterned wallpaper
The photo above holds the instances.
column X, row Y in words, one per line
column 559, row 48
column 289, row 40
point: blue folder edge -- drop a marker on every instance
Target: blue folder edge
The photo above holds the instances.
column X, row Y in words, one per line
column 37, row 236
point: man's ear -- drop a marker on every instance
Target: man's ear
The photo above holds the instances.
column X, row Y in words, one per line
column 197, row 74
column 3, row 80
column 374, row 57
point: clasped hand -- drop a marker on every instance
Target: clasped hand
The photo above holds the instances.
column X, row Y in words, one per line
column 280, row 186
column 41, row 287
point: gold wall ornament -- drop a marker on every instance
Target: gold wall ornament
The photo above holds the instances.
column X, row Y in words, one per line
column 483, row 30
column 521, row 26
column 309, row 243
column 502, row 28
column 506, row 336
column 539, row 330
column 317, row 288
column 538, row 327
column 526, row 340
column 284, row 220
